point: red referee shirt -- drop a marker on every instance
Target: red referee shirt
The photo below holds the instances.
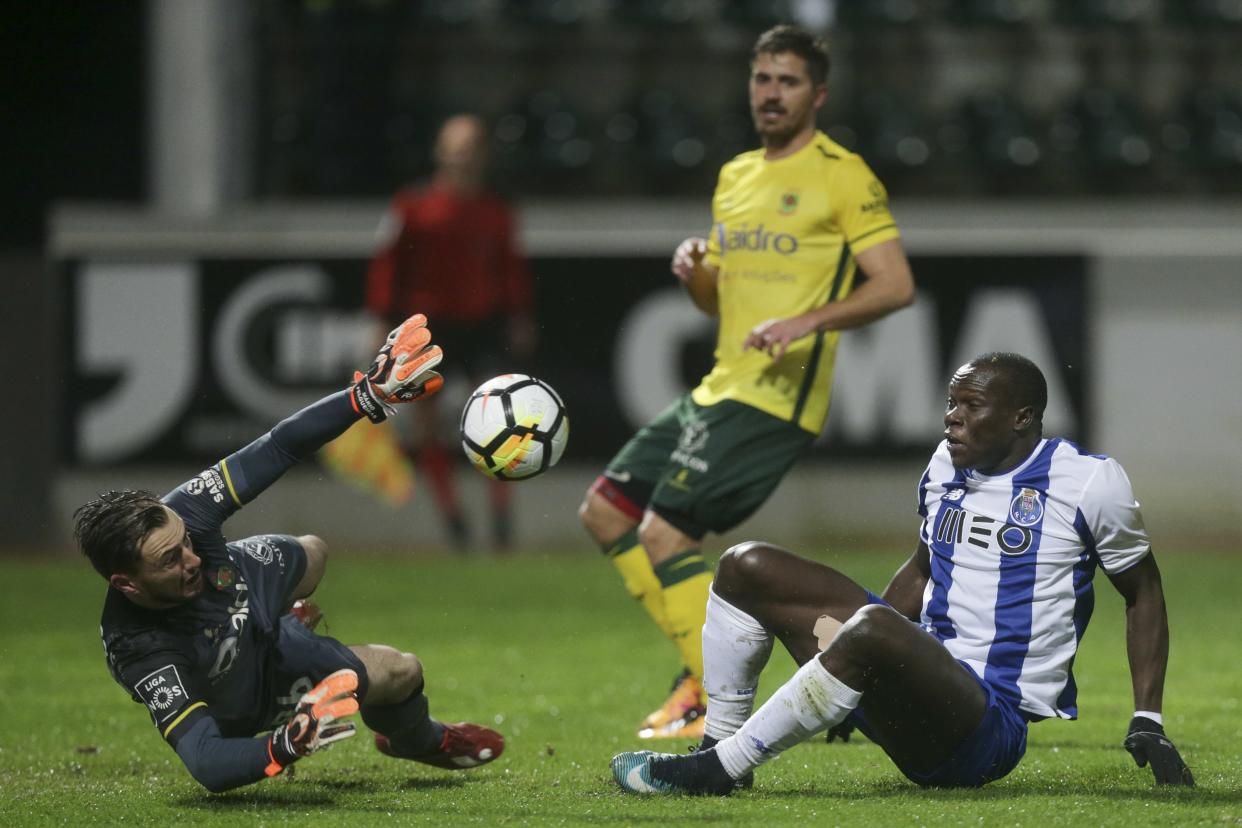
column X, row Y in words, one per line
column 452, row 257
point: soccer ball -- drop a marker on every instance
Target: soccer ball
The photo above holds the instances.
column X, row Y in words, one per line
column 514, row 427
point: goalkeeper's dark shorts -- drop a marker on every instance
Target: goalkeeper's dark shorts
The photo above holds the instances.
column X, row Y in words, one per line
column 273, row 566
column 303, row 659
column 703, row 468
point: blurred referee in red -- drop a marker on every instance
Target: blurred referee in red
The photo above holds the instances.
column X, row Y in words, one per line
column 449, row 249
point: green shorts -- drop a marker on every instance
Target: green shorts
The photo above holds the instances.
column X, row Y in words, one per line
column 703, row 468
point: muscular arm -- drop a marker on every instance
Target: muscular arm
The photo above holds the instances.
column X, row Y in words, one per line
column 702, row 289
column 889, row 286
column 698, row 277
column 1147, row 631
column 905, row 591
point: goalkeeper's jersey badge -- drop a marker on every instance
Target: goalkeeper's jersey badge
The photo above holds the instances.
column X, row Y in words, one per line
column 223, row 578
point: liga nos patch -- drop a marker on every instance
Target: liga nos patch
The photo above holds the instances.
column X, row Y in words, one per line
column 162, row 692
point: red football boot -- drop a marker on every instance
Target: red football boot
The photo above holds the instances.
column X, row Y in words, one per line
column 465, row 745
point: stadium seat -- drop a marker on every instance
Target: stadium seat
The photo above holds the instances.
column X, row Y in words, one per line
column 544, row 145
column 1108, row 12
column 864, row 13
column 409, row 134
column 1114, row 134
column 1001, row 137
column 732, row 131
column 757, row 15
column 547, row 13
column 674, row 149
column 1214, row 117
column 664, row 14
column 999, row 12
column 1103, row 143
column 451, row 14
column 1214, row 13
column 892, row 135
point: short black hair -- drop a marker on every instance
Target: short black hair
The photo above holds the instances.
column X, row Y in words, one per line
column 110, row 529
column 1023, row 379
column 787, row 38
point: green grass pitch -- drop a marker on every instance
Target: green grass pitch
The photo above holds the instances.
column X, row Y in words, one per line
column 549, row 649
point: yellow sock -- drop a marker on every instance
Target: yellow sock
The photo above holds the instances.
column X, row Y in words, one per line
column 685, row 581
column 631, row 560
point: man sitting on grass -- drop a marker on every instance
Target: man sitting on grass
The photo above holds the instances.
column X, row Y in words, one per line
column 200, row 630
column 976, row 634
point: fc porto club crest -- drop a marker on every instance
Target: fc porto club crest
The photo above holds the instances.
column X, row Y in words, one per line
column 789, row 203
column 1026, row 509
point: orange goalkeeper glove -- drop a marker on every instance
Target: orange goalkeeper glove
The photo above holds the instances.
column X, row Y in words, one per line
column 314, row 724
column 402, row 371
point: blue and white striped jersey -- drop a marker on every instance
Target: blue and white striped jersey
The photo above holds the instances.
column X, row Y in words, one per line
column 1012, row 558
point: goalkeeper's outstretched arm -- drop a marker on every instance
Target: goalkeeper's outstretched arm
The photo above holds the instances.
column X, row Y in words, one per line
column 403, row 371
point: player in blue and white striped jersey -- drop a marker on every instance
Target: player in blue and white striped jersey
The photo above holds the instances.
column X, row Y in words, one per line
column 976, row 634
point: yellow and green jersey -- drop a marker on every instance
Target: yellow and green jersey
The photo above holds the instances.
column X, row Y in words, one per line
column 784, row 236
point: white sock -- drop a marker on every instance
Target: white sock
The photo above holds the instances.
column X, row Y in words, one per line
column 735, row 650
column 811, row 701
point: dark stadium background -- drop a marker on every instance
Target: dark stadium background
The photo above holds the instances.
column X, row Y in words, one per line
column 1087, row 154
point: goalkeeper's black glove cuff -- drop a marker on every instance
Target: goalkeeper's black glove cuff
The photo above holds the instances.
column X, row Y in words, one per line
column 280, row 751
column 366, row 402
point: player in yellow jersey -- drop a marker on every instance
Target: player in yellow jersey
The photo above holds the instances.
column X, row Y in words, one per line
column 792, row 223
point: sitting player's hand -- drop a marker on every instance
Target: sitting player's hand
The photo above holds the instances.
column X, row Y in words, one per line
column 841, row 731
column 402, row 371
column 315, row 722
column 1147, row 743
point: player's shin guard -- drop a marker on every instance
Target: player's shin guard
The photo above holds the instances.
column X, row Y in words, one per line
column 631, row 561
column 685, row 582
column 736, row 648
column 408, row 726
column 811, row 701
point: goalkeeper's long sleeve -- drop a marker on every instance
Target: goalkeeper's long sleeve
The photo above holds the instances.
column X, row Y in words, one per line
column 219, row 763
column 252, row 469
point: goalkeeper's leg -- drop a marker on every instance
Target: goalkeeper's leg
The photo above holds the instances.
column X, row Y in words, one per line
column 395, row 705
column 396, row 708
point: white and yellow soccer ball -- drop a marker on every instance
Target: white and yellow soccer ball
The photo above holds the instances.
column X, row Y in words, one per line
column 514, row 427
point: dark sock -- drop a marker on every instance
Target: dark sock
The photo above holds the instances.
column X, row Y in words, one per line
column 409, row 727
column 746, row 782
column 696, row 773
